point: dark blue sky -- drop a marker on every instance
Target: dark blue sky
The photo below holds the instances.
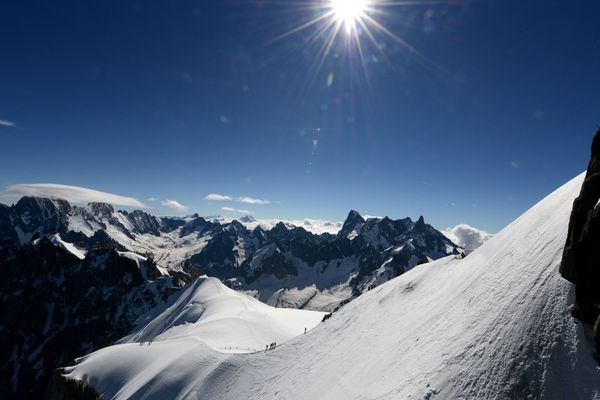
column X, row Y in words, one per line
column 179, row 99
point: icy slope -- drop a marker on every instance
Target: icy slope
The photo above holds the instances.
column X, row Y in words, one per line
column 494, row 325
column 222, row 318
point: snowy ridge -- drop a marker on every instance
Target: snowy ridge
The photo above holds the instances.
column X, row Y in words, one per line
column 70, row 247
column 223, row 319
column 494, row 325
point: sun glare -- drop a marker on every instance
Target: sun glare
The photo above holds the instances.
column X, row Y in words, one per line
column 352, row 30
column 347, row 12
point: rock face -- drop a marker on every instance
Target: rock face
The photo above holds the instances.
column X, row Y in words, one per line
column 581, row 257
column 69, row 389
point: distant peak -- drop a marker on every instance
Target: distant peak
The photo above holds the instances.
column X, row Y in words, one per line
column 237, row 225
column 100, row 208
column 247, row 218
column 419, row 225
column 42, row 203
column 280, row 225
column 354, row 221
column 354, row 215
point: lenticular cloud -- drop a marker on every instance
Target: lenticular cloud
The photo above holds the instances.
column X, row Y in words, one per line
column 73, row 194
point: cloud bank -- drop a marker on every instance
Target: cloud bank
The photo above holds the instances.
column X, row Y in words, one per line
column 73, row 194
column 217, row 197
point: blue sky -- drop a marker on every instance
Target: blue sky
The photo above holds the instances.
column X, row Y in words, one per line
column 177, row 100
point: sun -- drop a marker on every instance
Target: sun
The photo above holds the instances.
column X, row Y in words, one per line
column 348, row 12
column 352, row 31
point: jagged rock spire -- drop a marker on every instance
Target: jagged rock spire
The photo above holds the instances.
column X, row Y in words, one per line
column 419, row 225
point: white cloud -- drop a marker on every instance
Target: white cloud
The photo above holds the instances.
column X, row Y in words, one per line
column 466, row 236
column 229, row 209
column 217, row 197
column 174, row 204
column 514, row 164
column 251, row 200
column 245, row 212
column 73, row 194
column 4, row 122
column 152, row 198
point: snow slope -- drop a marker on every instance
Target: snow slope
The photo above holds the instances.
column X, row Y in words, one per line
column 225, row 320
column 494, row 325
column 56, row 240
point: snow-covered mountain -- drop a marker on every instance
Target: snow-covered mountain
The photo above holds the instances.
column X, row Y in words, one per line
column 67, row 251
column 492, row 325
column 225, row 320
column 285, row 266
column 467, row 237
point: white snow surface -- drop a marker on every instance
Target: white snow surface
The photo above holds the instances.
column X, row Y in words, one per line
column 494, row 325
column 70, row 247
column 466, row 236
column 225, row 320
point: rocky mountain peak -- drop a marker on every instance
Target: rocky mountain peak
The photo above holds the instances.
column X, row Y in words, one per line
column 354, row 216
column 236, row 226
column 42, row 206
column 247, row 218
column 419, row 225
column 354, row 221
column 196, row 225
column 100, row 209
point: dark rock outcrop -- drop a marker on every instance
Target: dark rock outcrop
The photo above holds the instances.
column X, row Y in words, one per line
column 581, row 257
column 70, row 389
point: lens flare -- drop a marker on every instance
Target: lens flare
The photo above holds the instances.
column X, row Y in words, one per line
column 355, row 34
column 348, row 12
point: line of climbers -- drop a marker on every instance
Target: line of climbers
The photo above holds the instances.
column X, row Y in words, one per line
column 270, row 346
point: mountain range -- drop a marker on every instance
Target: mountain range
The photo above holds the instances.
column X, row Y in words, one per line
column 79, row 277
column 285, row 265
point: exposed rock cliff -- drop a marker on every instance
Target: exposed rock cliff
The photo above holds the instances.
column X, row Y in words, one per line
column 581, row 257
